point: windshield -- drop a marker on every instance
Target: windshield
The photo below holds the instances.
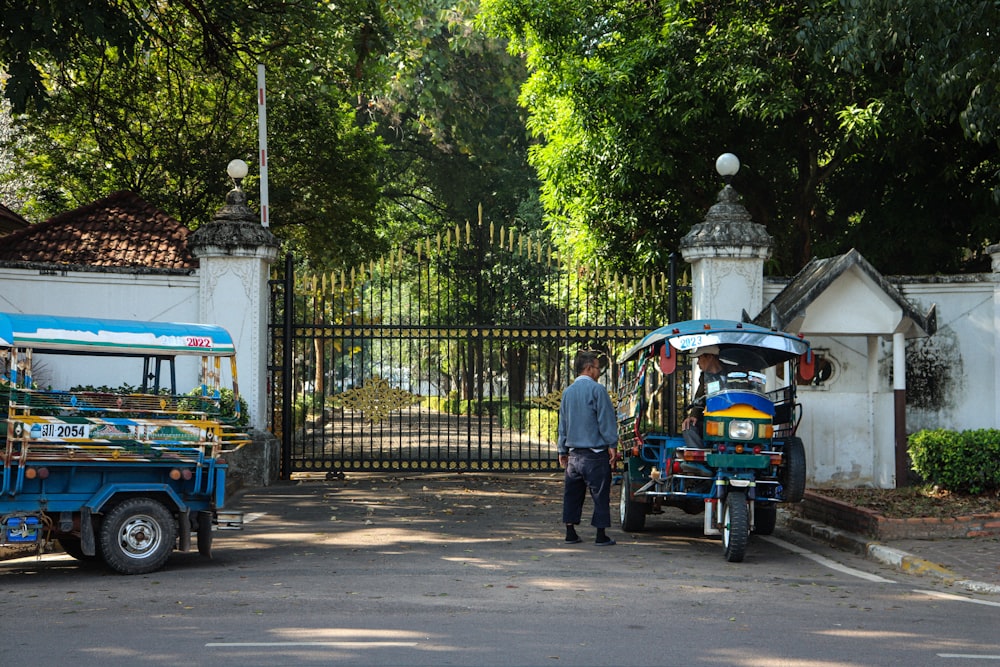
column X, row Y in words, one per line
column 754, row 381
column 742, row 369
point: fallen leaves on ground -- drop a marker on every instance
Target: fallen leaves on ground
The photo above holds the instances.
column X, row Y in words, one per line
column 917, row 501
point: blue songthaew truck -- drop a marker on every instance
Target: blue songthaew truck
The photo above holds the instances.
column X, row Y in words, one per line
column 116, row 471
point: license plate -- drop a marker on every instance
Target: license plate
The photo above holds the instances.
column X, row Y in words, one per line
column 50, row 431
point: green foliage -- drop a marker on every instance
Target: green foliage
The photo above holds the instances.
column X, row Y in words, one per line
column 306, row 407
column 123, row 389
column 36, row 31
column 633, row 101
column 965, row 461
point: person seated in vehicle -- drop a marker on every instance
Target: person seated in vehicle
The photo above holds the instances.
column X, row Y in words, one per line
column 712, row 379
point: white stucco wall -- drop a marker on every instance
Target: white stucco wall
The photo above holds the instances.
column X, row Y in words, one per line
column 952, row 376
column 172, row 298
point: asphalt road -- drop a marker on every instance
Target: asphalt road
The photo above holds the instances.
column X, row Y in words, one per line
column 471, row 570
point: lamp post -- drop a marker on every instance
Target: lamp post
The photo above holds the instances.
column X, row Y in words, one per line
column 237, row 170
column 728, row 165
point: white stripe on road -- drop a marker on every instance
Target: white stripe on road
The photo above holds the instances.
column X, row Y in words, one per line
column 324, row 644
column 958, row 598
column 968, row 656
column 825, row 562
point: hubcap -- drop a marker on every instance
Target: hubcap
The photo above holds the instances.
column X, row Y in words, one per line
column 139, row 536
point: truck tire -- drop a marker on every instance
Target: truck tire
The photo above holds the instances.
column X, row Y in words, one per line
column 736, row 526
column 631, row 513
column 137, row 536
column 793, row 473
column 765, row 518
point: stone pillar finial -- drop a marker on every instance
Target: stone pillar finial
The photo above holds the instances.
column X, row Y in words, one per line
column 994, row 252
column 234, row 230
column 727, row 229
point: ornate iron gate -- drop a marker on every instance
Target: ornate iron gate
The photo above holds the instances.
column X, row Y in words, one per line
column 450, row 356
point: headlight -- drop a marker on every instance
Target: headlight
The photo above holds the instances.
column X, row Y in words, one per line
column 740, row 429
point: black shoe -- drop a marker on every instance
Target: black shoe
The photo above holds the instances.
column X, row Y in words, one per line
column 606, row 542
column 573, row 539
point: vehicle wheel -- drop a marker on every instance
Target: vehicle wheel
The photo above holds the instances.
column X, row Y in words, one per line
column 793, row 473
column 73, row 548
column 631, row 513
column 137, row 536
column 765, row 517
column 736, row 526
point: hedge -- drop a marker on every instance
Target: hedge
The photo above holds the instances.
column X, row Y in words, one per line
column 959, row 461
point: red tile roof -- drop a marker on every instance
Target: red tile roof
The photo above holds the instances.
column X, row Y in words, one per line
column 121, row 230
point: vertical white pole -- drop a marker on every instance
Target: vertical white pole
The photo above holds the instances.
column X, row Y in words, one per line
column 262, row 141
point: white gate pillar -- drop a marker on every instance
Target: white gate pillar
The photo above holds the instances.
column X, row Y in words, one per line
column 234, row 252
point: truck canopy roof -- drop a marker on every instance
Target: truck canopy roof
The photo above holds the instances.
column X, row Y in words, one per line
column 56, row 334
column 774, row 346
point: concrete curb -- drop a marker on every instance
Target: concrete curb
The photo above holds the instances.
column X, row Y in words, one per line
column 896, row 558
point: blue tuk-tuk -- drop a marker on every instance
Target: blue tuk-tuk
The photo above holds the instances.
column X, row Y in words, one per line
column 744, row 457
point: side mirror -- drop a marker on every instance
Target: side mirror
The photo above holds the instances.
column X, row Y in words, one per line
column 807, row 365
column 668, row 360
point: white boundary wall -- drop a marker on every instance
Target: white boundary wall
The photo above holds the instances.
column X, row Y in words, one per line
column 847, row 427
column 952, row 380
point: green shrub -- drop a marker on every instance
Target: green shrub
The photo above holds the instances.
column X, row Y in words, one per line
column 959, row 461
column 306, row 407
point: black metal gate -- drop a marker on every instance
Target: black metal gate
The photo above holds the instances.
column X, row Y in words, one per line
column 449, row 356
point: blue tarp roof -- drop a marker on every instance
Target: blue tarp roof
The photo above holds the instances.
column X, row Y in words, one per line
column 108, row 336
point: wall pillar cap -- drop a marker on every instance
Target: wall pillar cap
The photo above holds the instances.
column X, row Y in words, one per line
column 994, row 252
column 727, row 231
column 235, row 230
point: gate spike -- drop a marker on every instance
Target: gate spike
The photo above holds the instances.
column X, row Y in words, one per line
column 468, row 233
column 491, row 232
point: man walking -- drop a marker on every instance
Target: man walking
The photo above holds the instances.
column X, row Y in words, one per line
column 588, row 439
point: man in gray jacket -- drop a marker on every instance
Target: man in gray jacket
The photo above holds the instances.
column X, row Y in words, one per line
column 588, row 447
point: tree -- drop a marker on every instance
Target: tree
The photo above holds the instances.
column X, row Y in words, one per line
column 165, row 124
column 634, row 101
column 450, row 117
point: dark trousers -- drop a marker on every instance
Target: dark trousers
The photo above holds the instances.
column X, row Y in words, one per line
column 587, row 470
